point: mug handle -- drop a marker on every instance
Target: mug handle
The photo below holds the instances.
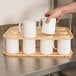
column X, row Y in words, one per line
column 4, row 44
column 41, row 20
column 19, row 28
column 54, row 47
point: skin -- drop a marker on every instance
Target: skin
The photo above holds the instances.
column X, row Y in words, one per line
column 60, row 12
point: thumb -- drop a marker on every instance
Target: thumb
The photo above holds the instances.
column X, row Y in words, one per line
column 48, row 19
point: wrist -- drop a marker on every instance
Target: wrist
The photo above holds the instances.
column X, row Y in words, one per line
column 70, row 8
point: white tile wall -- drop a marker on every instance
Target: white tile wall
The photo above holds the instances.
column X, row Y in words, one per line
column 13, row 11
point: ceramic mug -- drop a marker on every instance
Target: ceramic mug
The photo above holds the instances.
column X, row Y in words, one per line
column 64, row 46
column 29, row 47
column 29, row 28
column 46, row 46
column 12, row 46
column 49, row 28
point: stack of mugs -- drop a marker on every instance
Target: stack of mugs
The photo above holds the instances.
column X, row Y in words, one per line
column 29, row 45
column 63, row 46
column 29, row 31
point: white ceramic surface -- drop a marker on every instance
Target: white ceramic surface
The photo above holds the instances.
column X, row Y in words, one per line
column 46, row 46
column 64, row 46
column 29, row 28
column 29, row 46
column 12, row 46
column 49, row 28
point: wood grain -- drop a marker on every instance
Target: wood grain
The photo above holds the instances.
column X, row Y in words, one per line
column 60, row 33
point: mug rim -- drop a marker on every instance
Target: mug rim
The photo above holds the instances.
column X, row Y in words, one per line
column 28, row 21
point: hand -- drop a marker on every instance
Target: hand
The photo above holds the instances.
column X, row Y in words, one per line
column 54, row 13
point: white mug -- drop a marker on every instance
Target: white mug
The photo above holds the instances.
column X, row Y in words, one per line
column 46, row 46
column 49, row 28
column 64, row 46
column 29, row 47
column 29, row 28
column 12, row 46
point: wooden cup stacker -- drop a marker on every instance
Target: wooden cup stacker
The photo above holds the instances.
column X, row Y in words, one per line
column 60, row 33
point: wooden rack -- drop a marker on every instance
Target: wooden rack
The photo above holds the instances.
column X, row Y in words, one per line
column 60, row 34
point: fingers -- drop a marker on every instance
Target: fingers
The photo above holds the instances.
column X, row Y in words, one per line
column 48, row 19
column 55, row 13
column 57, row 20
column 48, row 13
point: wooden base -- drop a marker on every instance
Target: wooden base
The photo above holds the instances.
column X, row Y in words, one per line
column 37, row 54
